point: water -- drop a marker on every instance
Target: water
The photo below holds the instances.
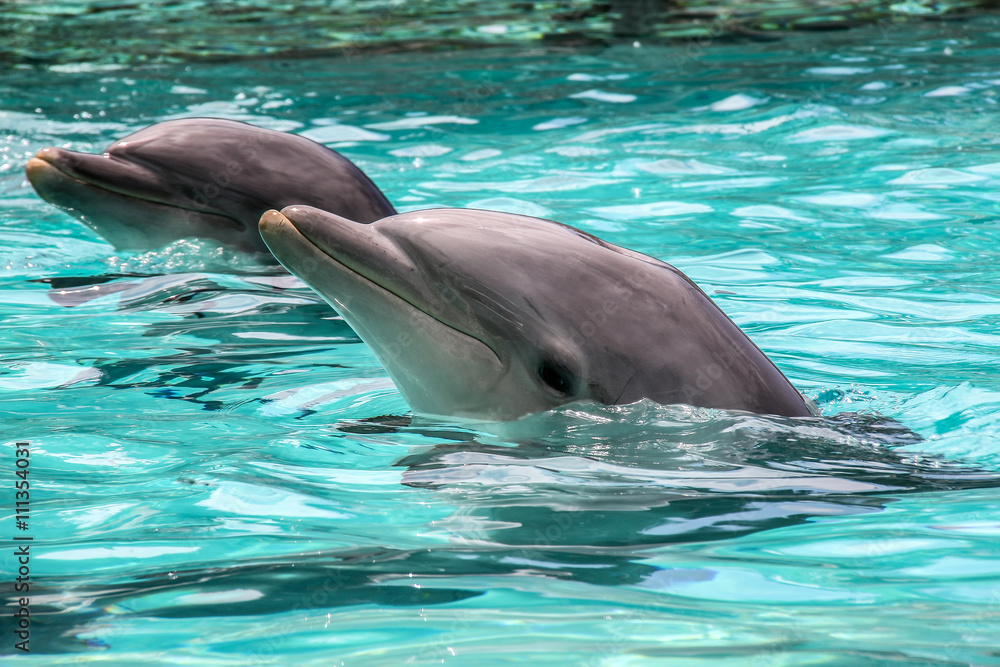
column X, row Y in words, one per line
column 223, row 474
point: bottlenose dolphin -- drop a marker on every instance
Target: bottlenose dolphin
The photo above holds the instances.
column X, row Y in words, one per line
column 201, row 177
column 489, row 315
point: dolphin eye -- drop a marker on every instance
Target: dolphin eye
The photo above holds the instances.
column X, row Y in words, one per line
column 556, row 378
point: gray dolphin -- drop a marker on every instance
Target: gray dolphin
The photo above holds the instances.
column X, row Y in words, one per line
column 201, row 177
column 490, row 315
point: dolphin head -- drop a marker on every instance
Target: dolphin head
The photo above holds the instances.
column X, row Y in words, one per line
column 200, row 177
column 492, row 315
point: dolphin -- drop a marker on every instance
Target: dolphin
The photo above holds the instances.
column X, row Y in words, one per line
column 491, row 316
column 201, row 177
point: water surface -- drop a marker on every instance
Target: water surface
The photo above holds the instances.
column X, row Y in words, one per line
column 223, row 474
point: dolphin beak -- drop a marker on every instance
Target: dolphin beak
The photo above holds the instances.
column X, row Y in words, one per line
column 48, row 161
column 43, row 157
column 44, row 173
column 53, row 166
column 288, row 245
column 272, row 224
column 306, row 241
column 36, row 168
column 53, row 177
column 50, row 155
column 358, row 246
column 288, row 242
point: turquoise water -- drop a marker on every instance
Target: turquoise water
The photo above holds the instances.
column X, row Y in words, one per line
column 223, row 474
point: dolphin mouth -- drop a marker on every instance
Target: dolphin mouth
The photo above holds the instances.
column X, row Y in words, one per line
column 40, row 168
column 274, row 223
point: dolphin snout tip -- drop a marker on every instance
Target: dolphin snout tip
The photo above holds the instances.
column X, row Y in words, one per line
column 271, row 219
column 51, row 155
column 41, row 172
column 49, row 162
column 34, row 165
column 45, row 157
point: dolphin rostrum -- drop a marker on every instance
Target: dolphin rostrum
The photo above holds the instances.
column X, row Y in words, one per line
column 488, row 315
column 201, row 177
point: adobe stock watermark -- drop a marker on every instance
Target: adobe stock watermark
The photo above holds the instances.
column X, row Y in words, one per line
column 21, row 569
column 373, row 28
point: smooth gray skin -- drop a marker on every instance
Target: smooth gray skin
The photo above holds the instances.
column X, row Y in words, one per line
column 490, row 315
column 201, row 177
